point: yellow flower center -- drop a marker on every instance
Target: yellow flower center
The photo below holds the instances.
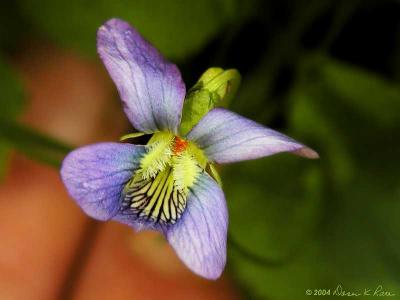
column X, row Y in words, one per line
column 159, row 189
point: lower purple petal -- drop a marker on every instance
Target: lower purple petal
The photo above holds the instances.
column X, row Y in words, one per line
column 228, row 137
column 136, row 223
column 199, row 237
column 96, row 174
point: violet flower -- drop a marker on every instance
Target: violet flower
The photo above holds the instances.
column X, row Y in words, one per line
column 164, row 185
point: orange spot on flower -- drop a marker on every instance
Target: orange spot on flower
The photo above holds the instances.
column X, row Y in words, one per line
column 179, row 145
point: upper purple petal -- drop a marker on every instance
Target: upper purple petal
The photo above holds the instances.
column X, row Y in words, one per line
column 228, row 137
column 199, row 237
column 96, row 174
column 150, row 87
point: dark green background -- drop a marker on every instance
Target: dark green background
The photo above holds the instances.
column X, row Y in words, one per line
column 325, row 72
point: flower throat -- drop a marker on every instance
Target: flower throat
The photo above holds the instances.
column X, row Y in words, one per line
column 159, row 189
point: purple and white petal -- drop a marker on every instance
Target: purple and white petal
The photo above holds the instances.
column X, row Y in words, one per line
column 199, row 237
column 136, row 223
column 228, row 137
column 150, row 87
column 95, row 176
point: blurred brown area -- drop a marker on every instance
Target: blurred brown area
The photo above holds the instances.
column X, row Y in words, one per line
column 46, row 252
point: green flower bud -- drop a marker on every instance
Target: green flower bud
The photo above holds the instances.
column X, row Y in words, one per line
column 215, row 87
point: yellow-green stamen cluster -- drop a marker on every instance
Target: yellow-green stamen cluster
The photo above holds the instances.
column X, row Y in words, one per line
column 159, row 189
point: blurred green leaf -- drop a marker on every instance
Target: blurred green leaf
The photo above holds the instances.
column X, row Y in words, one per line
column 274, row 206
column 12, row 25
column 310, row 122
column 177, row 28
column 260, row 194
column 358, row 116
column 374, row 97
column 11, row 103
column 337, row 216
column 12, row 94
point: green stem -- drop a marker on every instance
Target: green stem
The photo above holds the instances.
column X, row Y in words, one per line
column 32, row 143
column 344, row 11
column 285, row 48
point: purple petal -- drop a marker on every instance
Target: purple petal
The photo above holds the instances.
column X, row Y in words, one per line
column 199, row 237
column 95, row 176
column 150, row 87
column 133, row 221
column 228, row 137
